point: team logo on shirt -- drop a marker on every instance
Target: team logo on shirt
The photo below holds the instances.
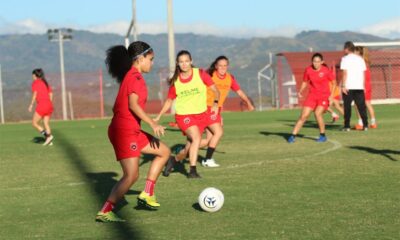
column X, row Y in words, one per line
column 213, row 117
column 133, row 146
column 186, row 120
column 321, row 74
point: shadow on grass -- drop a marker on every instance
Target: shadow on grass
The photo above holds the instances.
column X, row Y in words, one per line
column 38, row 140
column 124, row 230
column 383, row 152
column 196, row 206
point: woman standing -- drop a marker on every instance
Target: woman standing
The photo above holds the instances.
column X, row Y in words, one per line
column 318, row 77
column 43, row 96
column 124, row 132
column 188, row 86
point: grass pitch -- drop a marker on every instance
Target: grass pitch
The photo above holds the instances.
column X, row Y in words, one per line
column 346, row 188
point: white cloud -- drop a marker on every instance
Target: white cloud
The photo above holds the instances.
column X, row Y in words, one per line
column 23, row 26
column 388, row 29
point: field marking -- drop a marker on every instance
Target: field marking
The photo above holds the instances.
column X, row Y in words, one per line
column 336, row 146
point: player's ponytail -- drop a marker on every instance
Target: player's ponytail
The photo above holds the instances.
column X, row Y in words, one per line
column 177, row 71
column 39, row 73
column 119, row 59
column 212, row 67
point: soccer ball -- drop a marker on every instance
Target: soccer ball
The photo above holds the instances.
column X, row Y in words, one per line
column 211, row 199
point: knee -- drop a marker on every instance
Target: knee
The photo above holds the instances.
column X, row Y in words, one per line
column 131, row 178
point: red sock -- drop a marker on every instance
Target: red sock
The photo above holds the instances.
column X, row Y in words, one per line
column 149, row 188
column 108, row 206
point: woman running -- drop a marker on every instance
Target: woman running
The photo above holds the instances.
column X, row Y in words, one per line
column 124, row 132
column 188, row 86
column 318, row 77
column 43, row 96
column 224, row 81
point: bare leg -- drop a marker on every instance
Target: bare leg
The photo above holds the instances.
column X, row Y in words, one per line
column 319, row 111
column 161, row 152
column 35, row 122
column 217, row 132
column 46, row 121
column 194, row 137
column 305, row 113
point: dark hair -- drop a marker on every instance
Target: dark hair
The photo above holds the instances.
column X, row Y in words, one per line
column 39, row 73
column 119, row 59
column 212, row 68
column 319, row 55
column 177, row 71
column 349, row 46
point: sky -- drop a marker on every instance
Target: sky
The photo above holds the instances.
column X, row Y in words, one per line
column 231, row 18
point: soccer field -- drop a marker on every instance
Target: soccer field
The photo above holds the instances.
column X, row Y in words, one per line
column 346, row 188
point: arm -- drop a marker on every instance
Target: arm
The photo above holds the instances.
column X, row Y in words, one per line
column 302, row 87
column 135, row 108
column 216, row 98
column 344, row 80
column 51, row 96
column 334, row 86
column 167, row 105
column 244, row 97
column 32, row 101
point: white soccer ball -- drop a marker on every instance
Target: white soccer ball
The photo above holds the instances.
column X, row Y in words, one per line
column 211, row 199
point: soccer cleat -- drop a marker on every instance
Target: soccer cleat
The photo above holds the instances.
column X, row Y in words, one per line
column 169, row 167
column 359, row 127
column 335, row 118
column 193, row 175
column 373, row 126
column 322, row 138
column 365, row 129
column 291, row 139
column 148, row 201
column 49, row 140
column 209, row 163
column 346, row 129
column 108, row 217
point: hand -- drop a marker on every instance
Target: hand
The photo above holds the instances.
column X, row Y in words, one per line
column 214, row 110
column 299, row 95
column 251, row 107
column 30, row 108
column 345, row 90
column 156, row 119
column 158, row 129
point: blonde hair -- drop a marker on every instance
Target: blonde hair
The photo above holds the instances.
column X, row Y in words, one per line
column 364, row 53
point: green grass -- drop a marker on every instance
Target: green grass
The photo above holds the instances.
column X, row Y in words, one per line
column 347, row 188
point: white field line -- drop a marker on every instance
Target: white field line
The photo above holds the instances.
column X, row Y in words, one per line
column 335, row 145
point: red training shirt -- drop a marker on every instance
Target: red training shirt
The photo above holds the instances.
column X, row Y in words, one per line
column 319, row 80
column 133, row 82
column 42, row 91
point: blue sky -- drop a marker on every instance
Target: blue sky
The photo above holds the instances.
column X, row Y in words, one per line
column 232, row 18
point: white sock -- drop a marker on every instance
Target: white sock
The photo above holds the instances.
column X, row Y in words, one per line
column 360, row 122
column 334, row 115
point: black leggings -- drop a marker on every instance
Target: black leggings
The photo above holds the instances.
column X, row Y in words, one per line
column 359, row 98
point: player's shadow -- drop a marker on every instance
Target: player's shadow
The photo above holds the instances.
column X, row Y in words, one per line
column 78, row 160
column 103, row 182
column 311, row 124
column 383, row 152
column 283, row 135
column 38, row 140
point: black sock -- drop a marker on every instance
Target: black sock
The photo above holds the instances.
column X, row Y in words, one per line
column 193, row 169
column 210, row 152
column 322, row 134
column 44, row 133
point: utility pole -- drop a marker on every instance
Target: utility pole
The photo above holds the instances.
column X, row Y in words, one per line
column 171, row 39
column 132, row 26
column 59, row 36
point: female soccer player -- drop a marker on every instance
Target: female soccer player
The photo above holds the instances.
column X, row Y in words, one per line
column 124, row 132
column 224, row 81
column 43, row 96
column 363, row 52
column 317, row 76
column 188, row 86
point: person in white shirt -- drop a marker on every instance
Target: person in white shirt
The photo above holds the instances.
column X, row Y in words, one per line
column 353, row 77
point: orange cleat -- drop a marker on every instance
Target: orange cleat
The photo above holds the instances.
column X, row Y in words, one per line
column 358, row 127
column 373, row 125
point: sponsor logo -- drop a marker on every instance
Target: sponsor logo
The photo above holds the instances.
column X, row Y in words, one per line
column 186, row 120
column 321, row 74
column 133, row 146
column 213, row 117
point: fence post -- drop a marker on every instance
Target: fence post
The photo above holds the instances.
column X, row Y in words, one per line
column 1, row 99
column 101, row 93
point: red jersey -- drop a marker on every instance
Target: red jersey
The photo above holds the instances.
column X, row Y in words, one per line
column 319, row 80
column 42, row 91
column 133, row 82
column 203, row 75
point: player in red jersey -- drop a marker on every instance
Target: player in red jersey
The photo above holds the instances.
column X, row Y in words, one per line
column 318, row 77
column 224, row 81
column 188, row 86
column 363, row 52
column 124, row 132
column 43, row 96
